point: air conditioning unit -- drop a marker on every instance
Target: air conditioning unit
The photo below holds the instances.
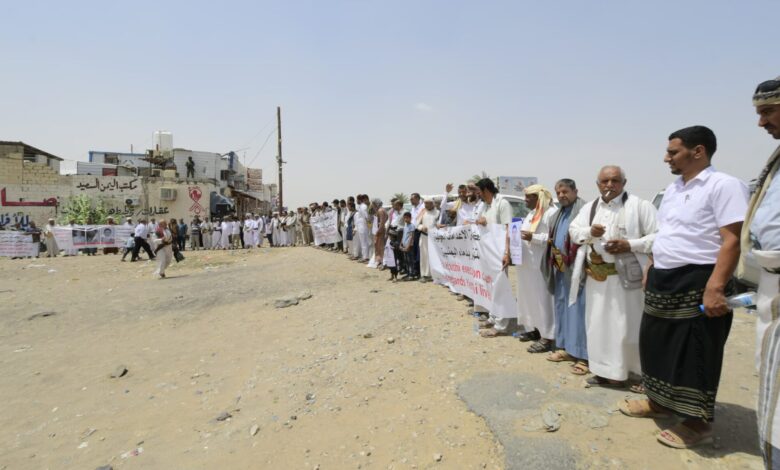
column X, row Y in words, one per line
column 167, row 194
column 133, row 201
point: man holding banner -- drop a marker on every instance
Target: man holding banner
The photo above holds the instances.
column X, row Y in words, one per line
column 495, row 210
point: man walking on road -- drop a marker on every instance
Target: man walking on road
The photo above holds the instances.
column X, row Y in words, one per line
column 140, row 233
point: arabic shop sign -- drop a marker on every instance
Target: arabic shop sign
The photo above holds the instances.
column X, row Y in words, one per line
column 109, row 185
column 48, row 202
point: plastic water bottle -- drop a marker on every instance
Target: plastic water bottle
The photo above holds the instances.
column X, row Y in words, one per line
column 746, row 300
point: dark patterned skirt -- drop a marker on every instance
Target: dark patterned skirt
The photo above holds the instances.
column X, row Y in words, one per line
column 681, row 349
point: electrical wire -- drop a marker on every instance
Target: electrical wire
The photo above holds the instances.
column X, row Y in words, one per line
column 259, row 132
column 261, row 147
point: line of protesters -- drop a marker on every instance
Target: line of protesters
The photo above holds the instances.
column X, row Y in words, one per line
column 614, row 286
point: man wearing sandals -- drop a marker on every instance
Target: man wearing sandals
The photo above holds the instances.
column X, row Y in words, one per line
column 761, row 235
column 559, row 256
column 615, row 231
column 534, row 302
column 694, row 256
column 495, row 211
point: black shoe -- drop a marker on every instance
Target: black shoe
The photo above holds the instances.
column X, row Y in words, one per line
column 529, row 336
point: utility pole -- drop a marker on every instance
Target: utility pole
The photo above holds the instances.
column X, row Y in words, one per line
column 279, row 160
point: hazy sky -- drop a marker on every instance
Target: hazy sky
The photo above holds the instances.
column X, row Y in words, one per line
column 394, row 96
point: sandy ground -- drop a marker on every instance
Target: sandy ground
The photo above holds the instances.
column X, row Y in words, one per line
column 364, row 374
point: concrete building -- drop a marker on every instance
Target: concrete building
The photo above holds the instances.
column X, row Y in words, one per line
column 32, row 189
column 240, row 189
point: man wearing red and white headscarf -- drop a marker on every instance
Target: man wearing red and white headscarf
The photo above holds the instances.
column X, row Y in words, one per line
column 534, row 302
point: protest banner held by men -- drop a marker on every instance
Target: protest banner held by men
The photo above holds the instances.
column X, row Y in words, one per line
column 630, row 297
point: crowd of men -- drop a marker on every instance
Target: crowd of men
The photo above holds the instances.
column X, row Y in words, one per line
column 615, row 286
column 619, row 289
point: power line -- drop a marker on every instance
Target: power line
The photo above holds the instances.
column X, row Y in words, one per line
column 267, row 139
column 259, row 132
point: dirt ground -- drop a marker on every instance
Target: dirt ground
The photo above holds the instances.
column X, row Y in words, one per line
column 363, row 374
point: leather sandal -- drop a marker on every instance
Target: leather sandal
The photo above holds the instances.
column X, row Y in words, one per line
column 640, row 409
column 681, row 436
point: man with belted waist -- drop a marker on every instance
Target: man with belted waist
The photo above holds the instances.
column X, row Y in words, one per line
column 761, row 236
column 686, row 319
column 617, row 224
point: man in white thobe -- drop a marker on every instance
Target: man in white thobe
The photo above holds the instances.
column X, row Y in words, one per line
column 534, row 301
column 216, row 235
column 164, row 249
column 236, row 232
column 249, row 232
column 428, row 218
column 361, row 227
column 51, row 243
column 205, row 233
column 227, row 229
column 275, row 230
column 292, row 228
column 618, row 224
column 259, row 231
column 299, row 240
column 495, row 210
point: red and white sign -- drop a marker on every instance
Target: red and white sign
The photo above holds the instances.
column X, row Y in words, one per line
column 195, row 195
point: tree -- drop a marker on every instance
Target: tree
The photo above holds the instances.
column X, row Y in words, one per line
column 81, row 208
column 477, row 177
column 401, row 197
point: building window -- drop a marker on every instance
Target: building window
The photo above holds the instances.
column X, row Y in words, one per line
column 111, row 159
column 224, row 174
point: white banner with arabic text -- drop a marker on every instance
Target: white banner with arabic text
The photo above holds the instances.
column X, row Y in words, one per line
column 325, row 228
column 468, row 259
column 17, row 244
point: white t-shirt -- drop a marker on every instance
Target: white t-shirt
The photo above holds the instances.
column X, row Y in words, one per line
column 361, row 218
column 465, row 211
column 498, row 212
column 141, row 230
column 691, row 215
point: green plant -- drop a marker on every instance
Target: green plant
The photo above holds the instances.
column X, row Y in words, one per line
column 401, row 197
column 82, row 209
